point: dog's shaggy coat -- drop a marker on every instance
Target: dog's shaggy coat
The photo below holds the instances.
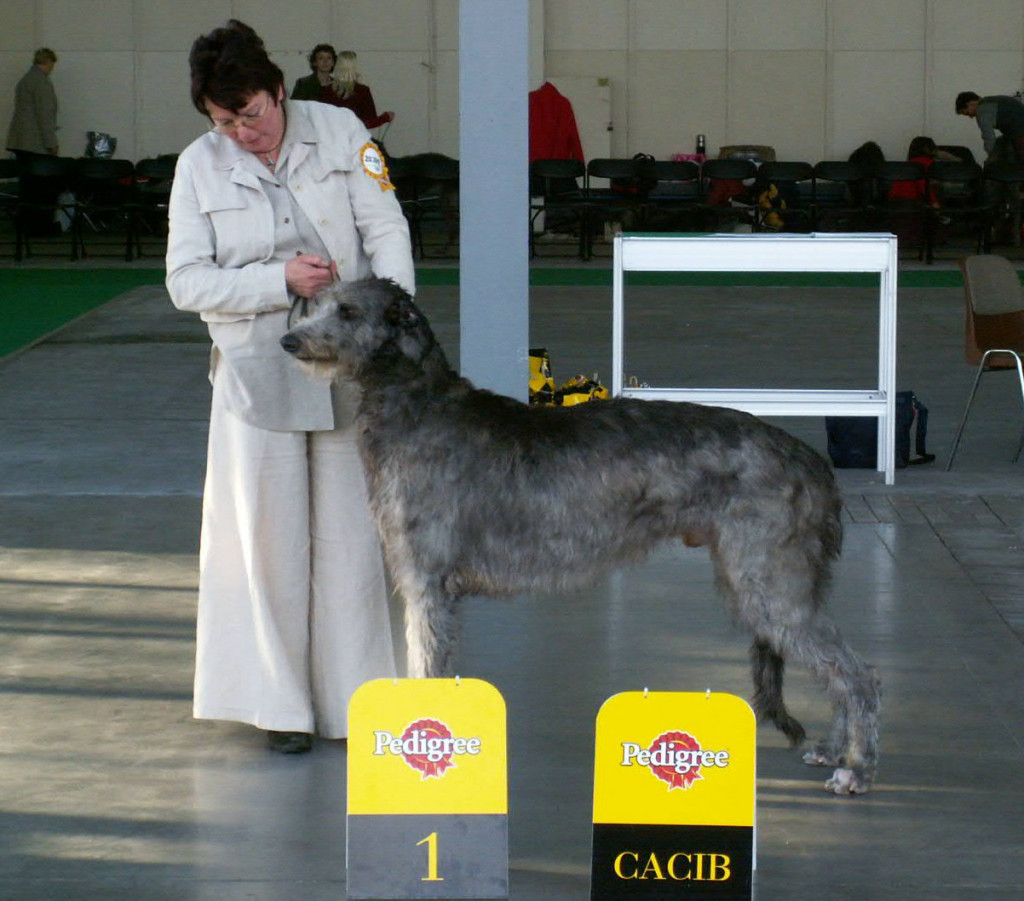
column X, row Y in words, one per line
column 475, row 493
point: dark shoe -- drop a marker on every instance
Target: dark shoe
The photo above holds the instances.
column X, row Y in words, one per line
column 289, row 742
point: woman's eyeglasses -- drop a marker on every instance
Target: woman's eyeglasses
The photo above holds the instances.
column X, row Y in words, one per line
column 249, row 120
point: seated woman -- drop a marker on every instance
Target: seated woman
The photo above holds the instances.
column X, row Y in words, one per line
column 924, row 151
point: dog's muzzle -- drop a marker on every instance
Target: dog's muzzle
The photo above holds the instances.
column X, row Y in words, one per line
column 291, row 343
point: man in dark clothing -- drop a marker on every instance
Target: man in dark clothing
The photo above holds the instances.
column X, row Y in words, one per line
column 34, row 123
column 33, row 133
column 996, row 113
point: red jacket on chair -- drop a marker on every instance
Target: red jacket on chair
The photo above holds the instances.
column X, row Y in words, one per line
column 553, row 133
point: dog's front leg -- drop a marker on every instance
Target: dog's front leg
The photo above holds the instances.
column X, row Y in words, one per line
column 431, row 631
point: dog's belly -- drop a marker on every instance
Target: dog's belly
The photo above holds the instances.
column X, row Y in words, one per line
column 545, row 557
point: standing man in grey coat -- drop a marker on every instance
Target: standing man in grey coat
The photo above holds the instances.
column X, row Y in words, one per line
column 996, row 113
column 34, row 124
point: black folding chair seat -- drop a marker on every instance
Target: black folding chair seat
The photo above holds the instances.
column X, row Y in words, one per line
column 558, row 205
column 154, row 177
column 673, row 201
column 962, row 205
column 105, row 194
column 46, row 208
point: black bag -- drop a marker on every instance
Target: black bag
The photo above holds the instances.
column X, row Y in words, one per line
column 100, row 145
column 640, row 185
column 853, row 440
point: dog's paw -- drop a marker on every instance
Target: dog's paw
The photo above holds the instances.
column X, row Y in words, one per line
column 846, row 781
column 822, row 754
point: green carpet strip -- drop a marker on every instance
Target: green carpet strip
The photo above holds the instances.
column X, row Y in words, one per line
column 36, row 302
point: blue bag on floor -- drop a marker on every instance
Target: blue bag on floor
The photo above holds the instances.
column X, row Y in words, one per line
column 853, row 440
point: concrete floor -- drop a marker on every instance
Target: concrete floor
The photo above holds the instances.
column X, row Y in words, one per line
column 108, row 788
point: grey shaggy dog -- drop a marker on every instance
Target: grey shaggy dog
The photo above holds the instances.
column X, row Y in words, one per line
column 479, row 494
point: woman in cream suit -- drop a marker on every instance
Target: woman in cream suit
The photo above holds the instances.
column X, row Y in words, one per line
column 275, row 202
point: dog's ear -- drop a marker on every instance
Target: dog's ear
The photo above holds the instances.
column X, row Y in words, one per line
column 401, row 313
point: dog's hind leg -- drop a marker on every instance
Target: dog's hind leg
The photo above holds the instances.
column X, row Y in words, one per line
column 736, row 584
column 431, row 630
column 776, row 589
column 854, row 690
column 768, row 668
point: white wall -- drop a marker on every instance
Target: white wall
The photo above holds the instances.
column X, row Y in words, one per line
column 123, row 64
column 814, row 78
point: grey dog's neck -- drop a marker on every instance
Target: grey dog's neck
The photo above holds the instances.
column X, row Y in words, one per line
column 390, row 367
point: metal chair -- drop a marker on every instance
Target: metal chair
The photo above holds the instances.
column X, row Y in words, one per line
column 672, row 204
column 899, row 202
column 558, row 205
column 1008, row 181
column 613, row 195
column 44, row 196
column 958, row 189
column 9, row 199
column 993, row 327
column 402, row 172
column 842, row 191
column 795, row 183
column 437, row 203
column 105, row 194
column 721, row 181
column 154, row 177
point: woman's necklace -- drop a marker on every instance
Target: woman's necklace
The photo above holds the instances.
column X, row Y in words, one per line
column 270, row 157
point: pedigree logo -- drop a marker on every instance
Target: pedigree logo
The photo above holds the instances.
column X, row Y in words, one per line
column 426, row 745
column 674, row 757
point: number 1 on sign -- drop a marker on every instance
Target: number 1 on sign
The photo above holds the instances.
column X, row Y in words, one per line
column 431, row 842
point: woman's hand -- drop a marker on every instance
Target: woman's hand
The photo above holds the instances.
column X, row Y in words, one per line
column 308, row 274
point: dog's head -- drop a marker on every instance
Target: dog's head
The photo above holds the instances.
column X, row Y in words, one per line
column 358, row 327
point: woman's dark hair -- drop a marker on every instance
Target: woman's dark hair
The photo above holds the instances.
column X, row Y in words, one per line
column 322, row 48
column 921, row 146
column 229, row 65
column 868, row 155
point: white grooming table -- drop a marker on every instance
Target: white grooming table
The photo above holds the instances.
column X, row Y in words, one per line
column 875, row 253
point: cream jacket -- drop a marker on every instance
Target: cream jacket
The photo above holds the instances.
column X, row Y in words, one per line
column 221, row 252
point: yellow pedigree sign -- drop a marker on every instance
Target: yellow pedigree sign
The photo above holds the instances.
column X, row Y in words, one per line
column 427, row 746
column 675, row 758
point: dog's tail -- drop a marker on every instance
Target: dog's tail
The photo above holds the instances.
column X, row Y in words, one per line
column 821, row 503
column 832, row 525
column 817, row 522
column 830, row 539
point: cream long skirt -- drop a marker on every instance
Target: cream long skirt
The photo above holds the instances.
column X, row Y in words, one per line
column 293, row 609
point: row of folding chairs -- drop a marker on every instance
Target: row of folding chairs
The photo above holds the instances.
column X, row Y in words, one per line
column 668, row 195
column 113, row 202
column 83, row 205
column 104, row 197
column 427, row 187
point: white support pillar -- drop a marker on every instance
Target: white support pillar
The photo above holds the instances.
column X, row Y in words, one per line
column 494, row 193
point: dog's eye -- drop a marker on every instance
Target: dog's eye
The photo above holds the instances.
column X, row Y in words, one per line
column 346, row 312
